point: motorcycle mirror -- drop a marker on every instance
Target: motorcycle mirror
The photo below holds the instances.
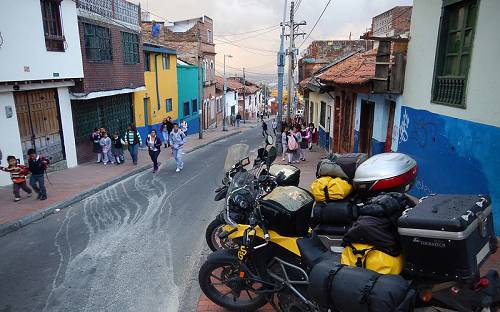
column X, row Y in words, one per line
column 271, row 155
column 269, row 140
column 221, row 194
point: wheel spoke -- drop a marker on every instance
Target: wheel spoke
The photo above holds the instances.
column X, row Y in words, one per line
column 248, row 293
column 223, row 295
column 216, row 277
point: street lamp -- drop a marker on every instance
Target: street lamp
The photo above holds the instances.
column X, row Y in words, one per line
column 224, row 122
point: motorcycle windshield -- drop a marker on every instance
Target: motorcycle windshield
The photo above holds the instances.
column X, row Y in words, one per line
column 235, row 153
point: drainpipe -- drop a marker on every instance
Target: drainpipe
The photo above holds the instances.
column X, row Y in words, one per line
column 158, row 103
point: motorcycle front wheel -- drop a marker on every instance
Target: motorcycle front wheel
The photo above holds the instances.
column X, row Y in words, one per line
column 220, row 282
column 214, row 242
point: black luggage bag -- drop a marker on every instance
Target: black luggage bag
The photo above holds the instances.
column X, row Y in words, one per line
column 352, row 289
column 335, row 212
column 448, row 237
column 340, row 165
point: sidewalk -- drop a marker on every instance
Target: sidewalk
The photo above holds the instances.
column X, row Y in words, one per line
column 307, row 176
column 71, row 185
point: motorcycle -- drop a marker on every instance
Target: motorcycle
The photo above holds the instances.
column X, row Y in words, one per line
column 276, row 255
column 236, row 162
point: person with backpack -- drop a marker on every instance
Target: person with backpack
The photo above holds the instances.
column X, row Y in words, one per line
column 95, row 137
column 177, row 141
column 117, row 148
column 37, row 165
column 153, row 143
column 133, row 140
column 293, row 146
column 18, row 175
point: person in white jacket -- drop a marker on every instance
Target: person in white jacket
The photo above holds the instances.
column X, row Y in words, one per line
column 177, row 140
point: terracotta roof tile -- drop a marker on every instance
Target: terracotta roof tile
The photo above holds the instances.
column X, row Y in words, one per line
column 357, row 69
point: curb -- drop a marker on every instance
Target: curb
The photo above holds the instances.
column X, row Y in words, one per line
column 15, row 225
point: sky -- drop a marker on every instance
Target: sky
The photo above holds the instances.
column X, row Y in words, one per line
column 249, row 31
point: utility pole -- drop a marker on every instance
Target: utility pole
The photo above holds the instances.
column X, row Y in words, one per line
column 244, row 98
column 224, row 118
column 200, row 89
column 291, row 59
column 281, row 71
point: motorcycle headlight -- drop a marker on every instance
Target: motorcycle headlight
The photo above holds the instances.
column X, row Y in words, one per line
column 242, row 199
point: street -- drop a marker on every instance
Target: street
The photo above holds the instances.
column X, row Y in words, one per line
column 130, row 247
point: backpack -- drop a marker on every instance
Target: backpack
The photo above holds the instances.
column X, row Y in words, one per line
column 327, row 189
column 292, row 143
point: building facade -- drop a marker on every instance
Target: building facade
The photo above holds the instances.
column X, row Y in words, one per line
column 450, row 117
column 193, row 41
column 160, row 98
column 40, row 60
column 187, row 84
column 111, row 51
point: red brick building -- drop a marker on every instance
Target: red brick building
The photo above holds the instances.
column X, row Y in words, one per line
column 193, row 41
column 113, row 69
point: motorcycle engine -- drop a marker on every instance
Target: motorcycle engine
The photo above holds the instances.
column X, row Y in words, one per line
column 290, row 303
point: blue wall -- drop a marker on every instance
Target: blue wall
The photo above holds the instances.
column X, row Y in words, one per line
column 454, row 156
column 323, row 138
column 187, row 84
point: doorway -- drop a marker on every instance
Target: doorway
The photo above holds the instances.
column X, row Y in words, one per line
column 390, row 126
column 39, row 124
column 347, row 129
column 366, row 127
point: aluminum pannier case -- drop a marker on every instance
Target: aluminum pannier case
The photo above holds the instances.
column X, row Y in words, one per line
column 448, row 237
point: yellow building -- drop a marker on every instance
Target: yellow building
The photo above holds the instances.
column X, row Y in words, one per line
column 160, row 99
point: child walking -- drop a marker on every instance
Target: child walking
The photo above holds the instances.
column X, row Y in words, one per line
column 105, row 142
column 95, row 137
column 177, row 141
column 117, row 148
column 37, row 165
column 18, row 175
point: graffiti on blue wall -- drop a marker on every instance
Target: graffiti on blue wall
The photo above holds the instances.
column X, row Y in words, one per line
column 454, row 156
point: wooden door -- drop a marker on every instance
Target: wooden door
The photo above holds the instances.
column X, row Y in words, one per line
column 347, row 127
column 366, row 127
column 39, row 125
column 390, row 126
column 336, row 125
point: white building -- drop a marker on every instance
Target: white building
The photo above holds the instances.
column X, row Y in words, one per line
column 40, row 57
column 450, row 112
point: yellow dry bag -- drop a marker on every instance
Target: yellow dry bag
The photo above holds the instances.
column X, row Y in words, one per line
column 371, row 258
column 328, row 188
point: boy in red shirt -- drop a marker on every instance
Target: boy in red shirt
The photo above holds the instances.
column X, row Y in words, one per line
column 18, row 175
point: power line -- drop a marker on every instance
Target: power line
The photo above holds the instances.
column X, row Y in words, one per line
column 250, row 49
column 247, row 32
column 317, row 21
column 163, row 18
column 254, row 36
column 297, row 6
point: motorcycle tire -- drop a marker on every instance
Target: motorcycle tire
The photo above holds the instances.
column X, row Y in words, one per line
column 222, row 295
column 212, row 236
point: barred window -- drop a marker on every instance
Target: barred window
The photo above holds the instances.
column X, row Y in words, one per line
column 130, row 47
column 166, row 61
column 195, row 106
column 454, row 49
column 97, row 43
column 168, row 105
column 186, row 109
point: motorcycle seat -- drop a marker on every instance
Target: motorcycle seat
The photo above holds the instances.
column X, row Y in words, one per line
column 313, row 251
column 327, row 229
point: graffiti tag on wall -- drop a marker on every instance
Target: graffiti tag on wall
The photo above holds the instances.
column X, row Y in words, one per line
column 403, row 128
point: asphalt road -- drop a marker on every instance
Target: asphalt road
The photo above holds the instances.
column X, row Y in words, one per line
column 131, row 247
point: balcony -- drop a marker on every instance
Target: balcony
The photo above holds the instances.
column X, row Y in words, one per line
column 449, row 91
column 118, row 10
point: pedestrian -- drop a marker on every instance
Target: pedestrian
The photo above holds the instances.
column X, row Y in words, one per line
column 298, row 137
column 117, row 148
column 238, row 120
column 165, row 129
column 284, row 142
column 304, row 143
column 105, row 142
column 264, row 129
column 293, row 146
column 274, row 124
column 177, row 141
column 18, row 175
column 96, row 147
column 314, row 135
column 262, row 116
column 232, row 120
column 37, row 165
column 154, row 144
column 133, row 140
column 184, row 126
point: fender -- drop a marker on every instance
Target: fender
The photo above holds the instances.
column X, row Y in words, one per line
column 228, row 255
column 289, row 243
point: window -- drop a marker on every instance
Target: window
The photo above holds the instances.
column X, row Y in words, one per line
column 322, row 114
column 166, row 61
column 186, row 109
column 130, row 46
column 453, row 53
column 205, row 73
column 209, row 36
column 212, row 69
column 195, row 106
column 168, row 105
column 97, row 43
column 147, row 62
column 52, row 27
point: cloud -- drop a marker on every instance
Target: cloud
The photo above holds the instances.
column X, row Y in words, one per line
column 235, row 16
